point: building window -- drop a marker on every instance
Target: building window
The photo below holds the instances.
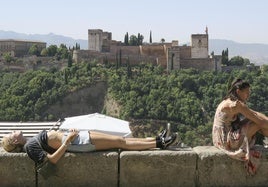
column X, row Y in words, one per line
column 199, row 43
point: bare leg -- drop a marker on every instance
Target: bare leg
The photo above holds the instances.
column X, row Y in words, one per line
column 147, row 139
column 105, row 141
column 264, row 126
column 252, row 130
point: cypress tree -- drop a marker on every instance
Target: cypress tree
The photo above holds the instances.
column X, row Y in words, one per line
column 129, row 71
column 120, row 57
column 150, row 36
column 126, row 39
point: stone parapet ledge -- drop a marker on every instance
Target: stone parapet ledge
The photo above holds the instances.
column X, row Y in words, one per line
column 16, row 169
column 196, row 167
column 74, row 169
column 215, row 168
column 84, row 169
column 158, row 168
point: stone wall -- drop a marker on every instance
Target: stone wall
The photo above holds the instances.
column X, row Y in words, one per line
column 19, row 48
column 185, row 52
column 203, row 166
column 200, row 64
column 158, row 54
column 26, row 63
column 131, row 54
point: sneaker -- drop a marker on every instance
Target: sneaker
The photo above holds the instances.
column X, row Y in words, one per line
column 167, row 141
column 162, row 134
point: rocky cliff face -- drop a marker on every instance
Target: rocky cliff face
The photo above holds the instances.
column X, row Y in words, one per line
column 85, row 101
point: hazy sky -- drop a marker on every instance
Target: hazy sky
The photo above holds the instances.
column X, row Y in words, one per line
column 244, row 21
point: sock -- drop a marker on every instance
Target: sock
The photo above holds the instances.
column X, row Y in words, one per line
column 159, row 143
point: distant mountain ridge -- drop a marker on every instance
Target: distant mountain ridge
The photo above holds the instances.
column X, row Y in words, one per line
column 50, row 39
column 256, row 53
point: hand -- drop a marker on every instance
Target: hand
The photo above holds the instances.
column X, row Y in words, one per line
column 72, row 135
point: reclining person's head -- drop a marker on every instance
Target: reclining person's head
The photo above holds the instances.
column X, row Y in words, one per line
column 13, row 142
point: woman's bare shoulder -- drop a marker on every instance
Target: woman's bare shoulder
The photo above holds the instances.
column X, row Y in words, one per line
column 229, row 105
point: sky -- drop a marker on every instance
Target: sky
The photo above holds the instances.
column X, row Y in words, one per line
column 244, row 21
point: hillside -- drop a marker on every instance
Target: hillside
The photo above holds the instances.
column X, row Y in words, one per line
column 148, row 97
column 256, row 53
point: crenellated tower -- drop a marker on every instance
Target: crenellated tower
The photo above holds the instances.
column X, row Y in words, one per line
column 199, row 45
column 99, row 40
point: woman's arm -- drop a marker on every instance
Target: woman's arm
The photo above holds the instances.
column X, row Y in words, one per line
column 258, row 118
column 260, row 114
column 54, row 158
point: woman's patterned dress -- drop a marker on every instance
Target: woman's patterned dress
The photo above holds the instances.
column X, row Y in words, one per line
column 229, row 135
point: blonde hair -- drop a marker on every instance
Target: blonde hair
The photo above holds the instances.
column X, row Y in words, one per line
column 9, row 146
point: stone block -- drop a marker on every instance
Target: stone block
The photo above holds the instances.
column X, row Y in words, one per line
column 84, row 169
column 215, row 168
column 158, row 168
column 16, row 169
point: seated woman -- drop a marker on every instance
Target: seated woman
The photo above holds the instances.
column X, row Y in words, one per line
column 51, row 145
column 235, row 126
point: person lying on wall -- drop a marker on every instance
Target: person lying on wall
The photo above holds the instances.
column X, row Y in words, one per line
column 51, row 145
column 235, row 126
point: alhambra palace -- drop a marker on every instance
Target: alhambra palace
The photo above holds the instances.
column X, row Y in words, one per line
column 171, row 56
column 101, row 48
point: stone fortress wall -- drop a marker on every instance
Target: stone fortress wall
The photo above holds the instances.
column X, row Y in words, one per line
column 169, row 55
column 18, row 48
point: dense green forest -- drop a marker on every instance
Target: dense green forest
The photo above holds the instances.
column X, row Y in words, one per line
column 185, row 98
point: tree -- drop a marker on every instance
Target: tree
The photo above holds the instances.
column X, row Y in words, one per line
column 7, row 57
column 52, row 50
column 212, row 53
column 62, row 52
column 133, row 40
column 247, row 62
column 34, row 50
column 150, row 36
column 44, row 52
column 129, row 71
column 140, row 39
column 162, row 40
column 264, row 68
column 70, row 60
column 77, row 46
column 239, row 61
column 225, row 58
column 120, row 57
column 126, row 39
